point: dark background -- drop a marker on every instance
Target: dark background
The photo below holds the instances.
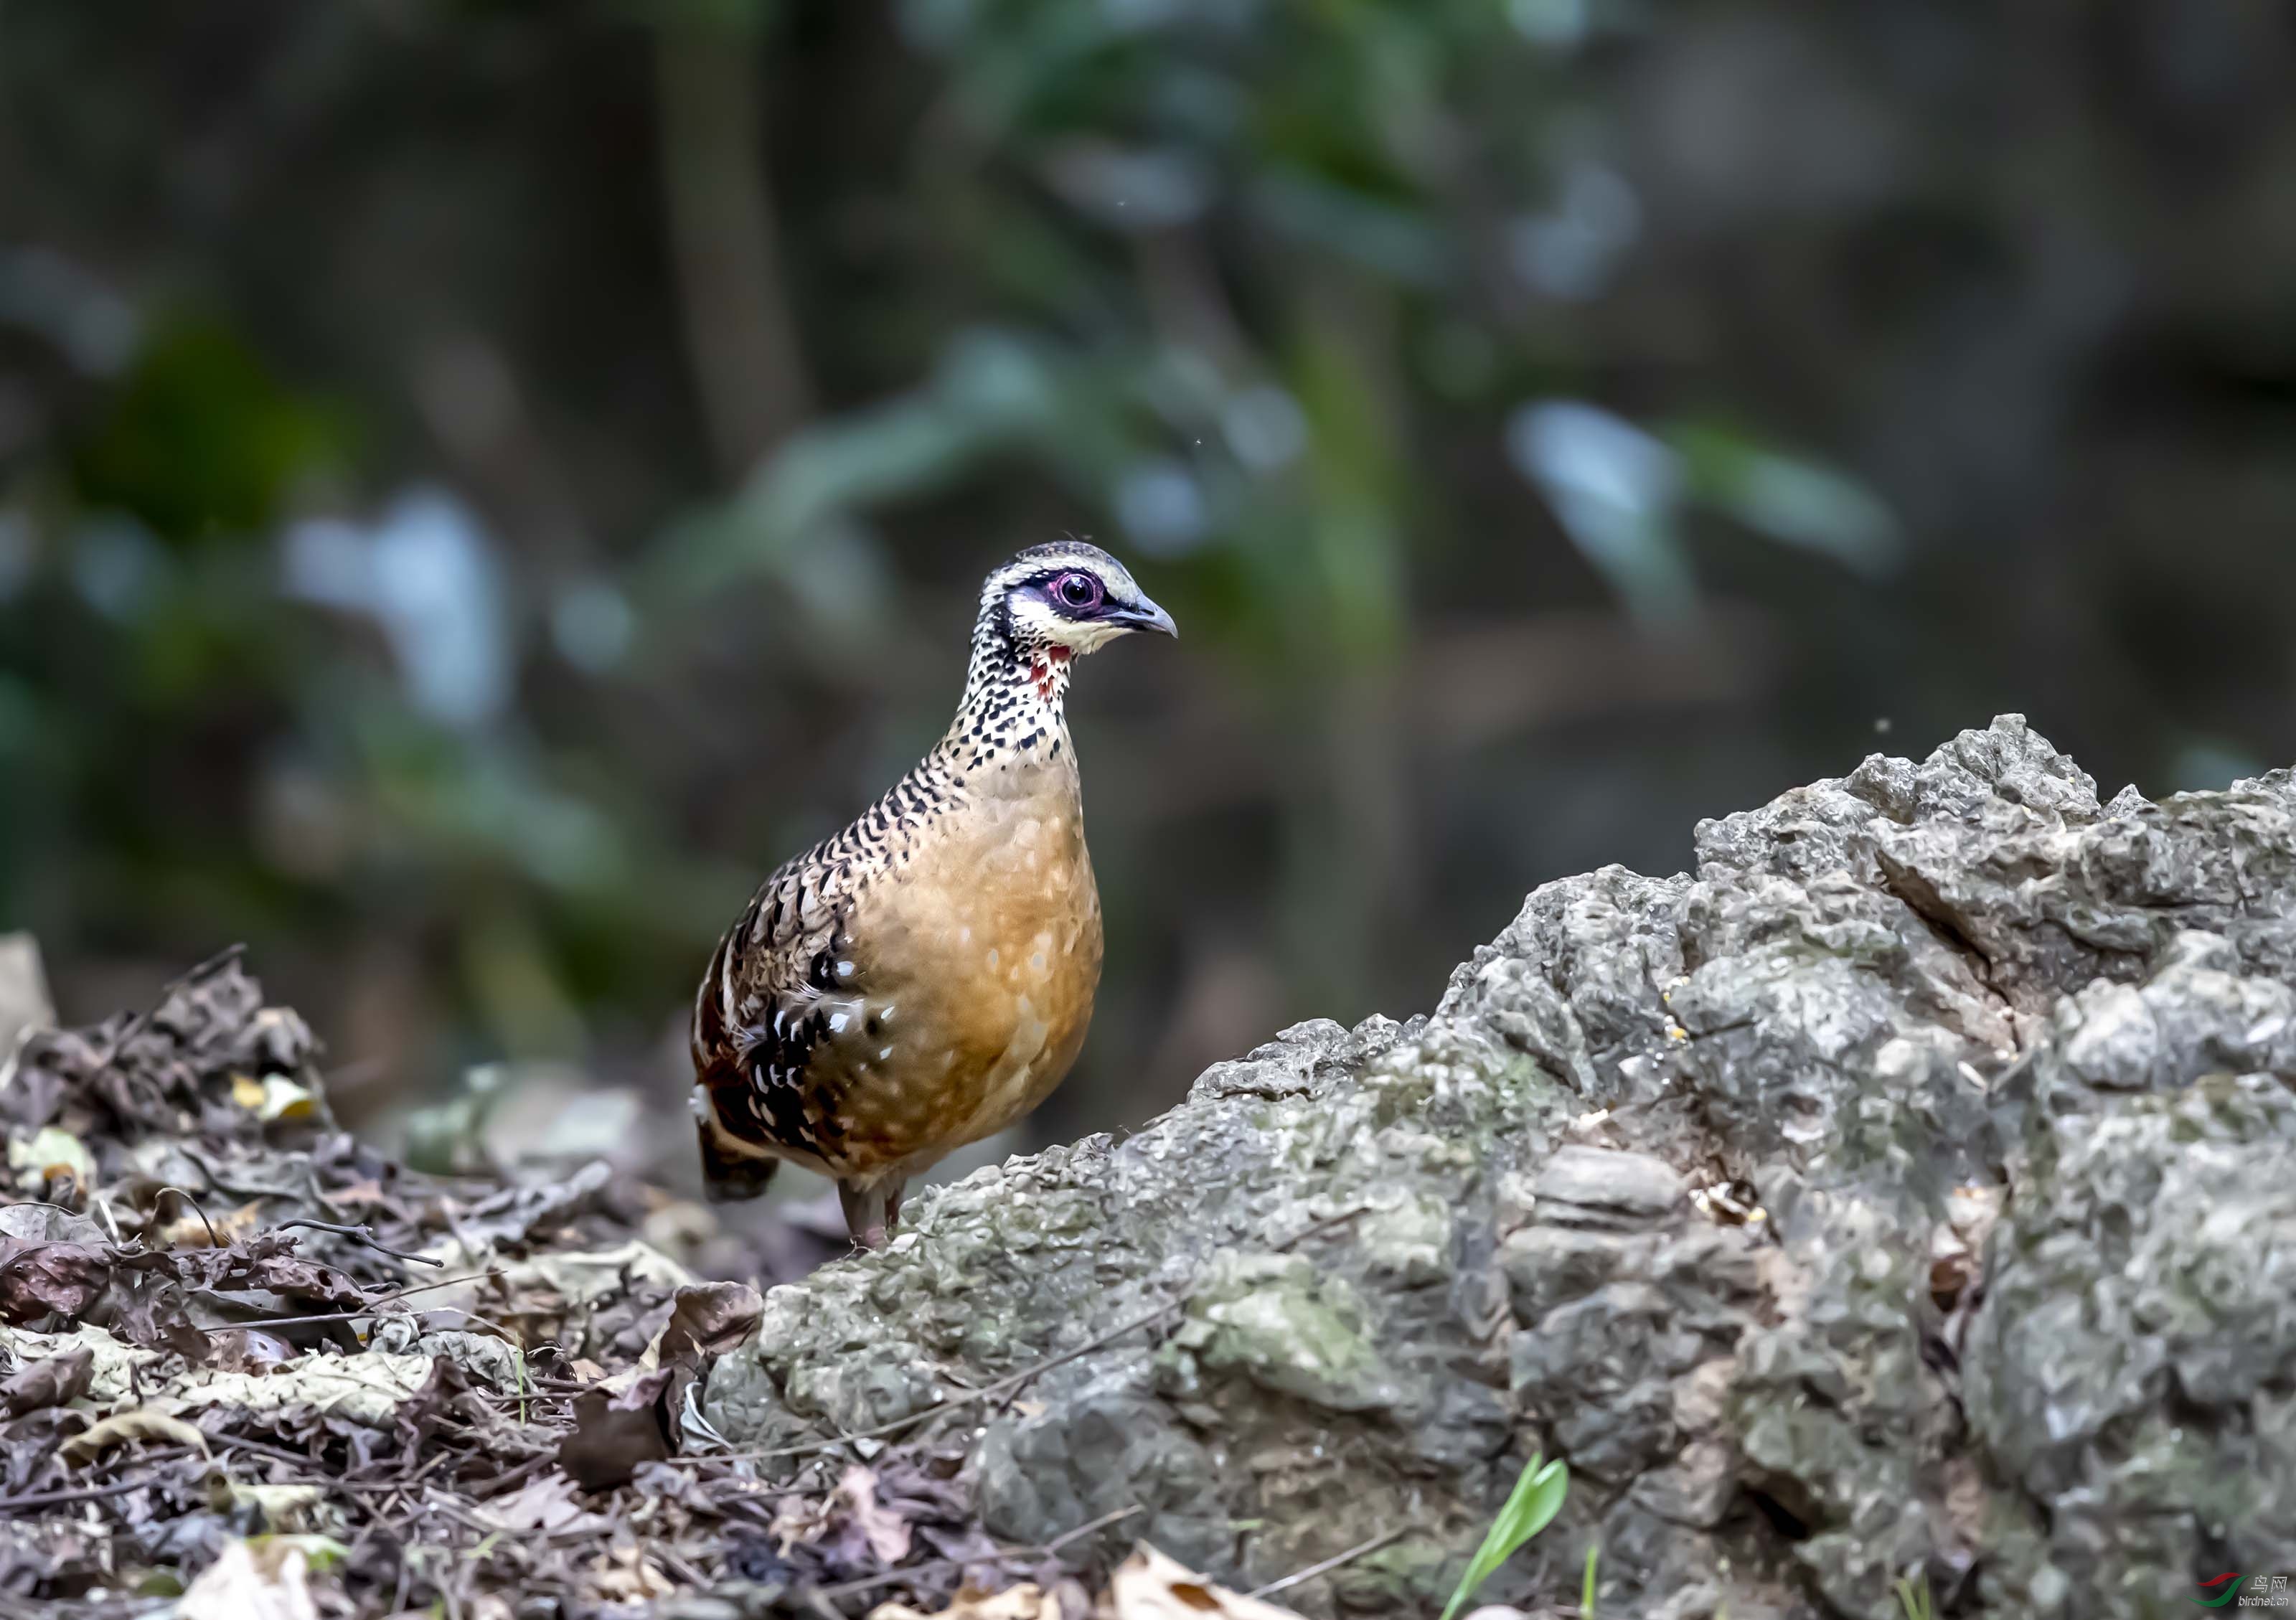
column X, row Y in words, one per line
column 480, row 483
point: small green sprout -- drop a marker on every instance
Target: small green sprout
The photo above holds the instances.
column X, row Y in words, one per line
column 1536, row 1498
column 1587, row 1587
column 1914, row 1597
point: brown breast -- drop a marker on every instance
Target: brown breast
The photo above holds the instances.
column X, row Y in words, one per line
column 980, row 955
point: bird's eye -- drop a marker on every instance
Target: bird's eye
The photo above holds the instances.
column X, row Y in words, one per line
column 1077, row 591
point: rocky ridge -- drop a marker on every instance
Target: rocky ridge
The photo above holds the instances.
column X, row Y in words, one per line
column 1905, row 1191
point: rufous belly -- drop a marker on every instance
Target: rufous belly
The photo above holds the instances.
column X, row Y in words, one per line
column 982, row 955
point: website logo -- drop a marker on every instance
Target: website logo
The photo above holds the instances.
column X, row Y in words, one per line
column 2256, row 1592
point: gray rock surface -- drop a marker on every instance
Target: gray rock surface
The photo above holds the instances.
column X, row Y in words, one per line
column 1911, row 1190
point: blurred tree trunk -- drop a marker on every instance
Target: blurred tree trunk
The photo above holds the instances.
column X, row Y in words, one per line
column 738, row 336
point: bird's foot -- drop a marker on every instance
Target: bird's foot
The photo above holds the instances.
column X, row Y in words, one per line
column 871, row 1214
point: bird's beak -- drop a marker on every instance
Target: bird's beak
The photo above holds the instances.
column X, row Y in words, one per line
column 1145, row 615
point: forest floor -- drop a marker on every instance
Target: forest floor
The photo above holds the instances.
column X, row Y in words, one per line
column 252, row 1367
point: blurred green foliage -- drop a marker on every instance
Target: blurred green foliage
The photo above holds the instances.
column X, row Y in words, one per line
column 200, row 441
column 479, row 482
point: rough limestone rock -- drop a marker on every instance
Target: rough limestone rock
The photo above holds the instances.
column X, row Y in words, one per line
column 1912, row 1191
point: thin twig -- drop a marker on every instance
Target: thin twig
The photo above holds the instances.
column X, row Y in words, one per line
column 375, row 1309
column 364, row 1235
column 238, row 1190
column 406, row 1479
column 1046, row 1549
column 1043, row 1549
column 213, row 1241
column 117, row 1487
column 1011, row 1381
column 678, row 1567
column 403, row 1482
column 1377, row 1541
column 264, row 1448
column 188, row 976
column 972, row 1397
column 484, row 1489
column 51, row 1499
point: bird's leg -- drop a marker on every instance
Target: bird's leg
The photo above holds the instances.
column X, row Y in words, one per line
column 893, row 1207
column 864, row 1213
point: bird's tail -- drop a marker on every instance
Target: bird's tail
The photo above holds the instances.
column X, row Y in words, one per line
column 731, row 1177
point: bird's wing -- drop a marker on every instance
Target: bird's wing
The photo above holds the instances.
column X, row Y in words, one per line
column 781, row 983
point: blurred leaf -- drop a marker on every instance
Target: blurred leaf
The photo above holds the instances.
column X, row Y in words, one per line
column 427, row 573
column 121, row 1428
column 201, row 438
column 988, row 389
column 264, row 1578
column 1382, row 236
column 2208, row 762
column 49, row 1150
column 1796, row 501
column 1616, row 492
column 1357, row 547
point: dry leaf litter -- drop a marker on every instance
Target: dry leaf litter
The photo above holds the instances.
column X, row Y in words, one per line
column 251, row 1368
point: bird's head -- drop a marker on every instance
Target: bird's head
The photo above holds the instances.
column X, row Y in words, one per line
column 1069, row 595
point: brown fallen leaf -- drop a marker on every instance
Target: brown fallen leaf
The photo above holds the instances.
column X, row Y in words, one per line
column 614, row 1432
column 1026, row 1601
column 358, row 1197
column 1146, row 1586
column 142, row 1423
column 189, row 1230
column 887, row 1533
column 248, row 1350
column 149, row 1310
column 545, row 1502
column 117, row 1365
column 625, row 1574
column 245, row 1583
column 51, row 1153
column 708, row 1319
column 285, row 1508
column 38, row 1279
column 366, row 1390
column 440, row 1396
column 48, row 1382
column 306, row 1280
column 1150, row 1586
column 274, row 1097
column 515, row 1214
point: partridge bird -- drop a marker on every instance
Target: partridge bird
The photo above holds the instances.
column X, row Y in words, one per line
column 924, row 978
